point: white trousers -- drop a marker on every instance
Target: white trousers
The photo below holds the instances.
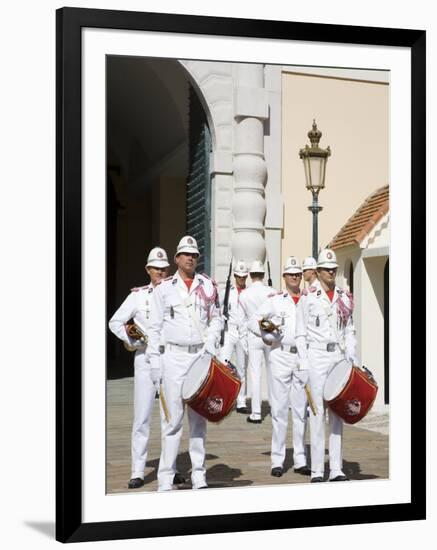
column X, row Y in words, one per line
column 287, row 380
column 144, row 397
column 257, row 351
column 233, row 344
column 320, row 364
column 175, row 368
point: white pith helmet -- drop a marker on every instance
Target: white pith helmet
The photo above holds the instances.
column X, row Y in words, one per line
column 309, row 263
column 257, row 267
column 187, row 244
column 327, row 259
column 240, row 269
column 157, row 258
column 292, row 265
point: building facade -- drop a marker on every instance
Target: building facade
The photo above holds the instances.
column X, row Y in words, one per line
column 212, row 149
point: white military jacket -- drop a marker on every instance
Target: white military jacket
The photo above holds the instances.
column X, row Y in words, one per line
column 170, row 314
column 235, row 311
column 281, row 310
column 253, row 297
column 137, row 307
column 320, row 321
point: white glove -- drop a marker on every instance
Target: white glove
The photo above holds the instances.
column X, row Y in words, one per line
column 303, row 364
column 155, row 371
column 155, row 375
column 209, row 347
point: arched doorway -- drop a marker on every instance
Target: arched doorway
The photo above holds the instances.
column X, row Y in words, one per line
column 198, row 199
column 158, row 166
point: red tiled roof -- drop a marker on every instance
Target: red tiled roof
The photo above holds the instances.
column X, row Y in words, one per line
column 363, row 220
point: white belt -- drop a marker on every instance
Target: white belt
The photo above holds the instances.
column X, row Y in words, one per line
column 193, row 348
column 330, row 346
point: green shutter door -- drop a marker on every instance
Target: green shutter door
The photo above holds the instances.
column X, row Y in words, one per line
column 199, row 183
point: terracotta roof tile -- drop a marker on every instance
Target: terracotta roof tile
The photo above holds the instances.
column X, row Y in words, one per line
column 363, row 220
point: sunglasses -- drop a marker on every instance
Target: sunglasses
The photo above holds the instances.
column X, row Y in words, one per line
column 189, row 254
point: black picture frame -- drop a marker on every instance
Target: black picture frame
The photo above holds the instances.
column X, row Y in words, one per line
column 70, row 22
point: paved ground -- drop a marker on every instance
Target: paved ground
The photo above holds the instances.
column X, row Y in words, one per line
column 238, row 453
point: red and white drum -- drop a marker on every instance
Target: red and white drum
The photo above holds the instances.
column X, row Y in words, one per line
column 211, row 388
column 350, row 391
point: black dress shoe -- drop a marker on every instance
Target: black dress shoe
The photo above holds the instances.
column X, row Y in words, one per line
column 254, row 420
column 135, row 483
column 303, row 470
column 242, row 410
column 317, row 479
column 340, row 478
column 178, row 479
column 276, row 472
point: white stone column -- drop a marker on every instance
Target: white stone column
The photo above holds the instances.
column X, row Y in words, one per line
column 250, row 169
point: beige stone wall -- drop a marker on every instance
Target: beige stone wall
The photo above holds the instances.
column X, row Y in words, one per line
column 353, row 117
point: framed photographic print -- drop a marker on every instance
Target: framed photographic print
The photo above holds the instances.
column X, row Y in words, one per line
column 229, row 149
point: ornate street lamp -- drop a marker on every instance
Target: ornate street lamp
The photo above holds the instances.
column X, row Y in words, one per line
column 314, row 162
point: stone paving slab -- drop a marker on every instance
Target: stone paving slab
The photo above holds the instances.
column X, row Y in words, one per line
column 238, row 453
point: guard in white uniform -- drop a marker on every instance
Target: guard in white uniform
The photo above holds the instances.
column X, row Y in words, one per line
column 325, row 335
column 309, row 269
column 236, row 334
column 186, row 311
column 250, row 301
column 286, row 376
column 137, row 307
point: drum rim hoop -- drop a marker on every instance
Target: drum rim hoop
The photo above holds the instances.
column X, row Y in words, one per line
column 355, row 370
column 215, row 365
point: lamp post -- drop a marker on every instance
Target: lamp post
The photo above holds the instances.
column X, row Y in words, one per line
column 314, row 162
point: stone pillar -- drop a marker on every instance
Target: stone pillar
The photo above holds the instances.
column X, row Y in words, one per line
column 250, row 169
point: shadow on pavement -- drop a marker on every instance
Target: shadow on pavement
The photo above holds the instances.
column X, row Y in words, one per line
column 183, row 466
column 219, row 475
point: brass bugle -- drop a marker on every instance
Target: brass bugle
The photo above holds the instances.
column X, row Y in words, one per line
column 136, row 332
column 268, row 326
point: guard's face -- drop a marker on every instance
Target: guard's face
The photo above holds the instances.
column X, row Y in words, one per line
column 240, row 281
column 308, row 275
column 156, row 274
column 292, row 280
column 326, row 275
column 187, row 261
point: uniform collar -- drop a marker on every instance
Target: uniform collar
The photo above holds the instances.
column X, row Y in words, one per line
column 180, row 282
column 286, row 294
column 337, row 293
column 315, row 284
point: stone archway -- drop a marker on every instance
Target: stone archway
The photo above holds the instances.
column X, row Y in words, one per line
column 213, row 83
column 236, row 103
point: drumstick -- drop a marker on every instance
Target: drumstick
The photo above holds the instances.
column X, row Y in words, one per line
column 310, row 400
column 164, row 404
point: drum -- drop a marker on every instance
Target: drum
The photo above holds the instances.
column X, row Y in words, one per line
column 211, row 387
column 350, row 391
